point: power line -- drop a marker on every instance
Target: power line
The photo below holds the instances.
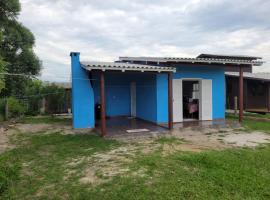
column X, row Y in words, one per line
column 26, row 75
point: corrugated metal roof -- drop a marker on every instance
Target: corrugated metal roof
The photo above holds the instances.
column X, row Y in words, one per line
column 224, row 56
column 125, row 67
column 192, row 60
column 258, row 76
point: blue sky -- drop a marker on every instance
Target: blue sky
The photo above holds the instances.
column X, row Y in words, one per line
column 104, row 30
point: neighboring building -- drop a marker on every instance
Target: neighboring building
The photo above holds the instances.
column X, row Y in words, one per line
column 256, row 91
column 161, row 90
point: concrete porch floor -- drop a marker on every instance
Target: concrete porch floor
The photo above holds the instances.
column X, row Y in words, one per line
column 118, row 126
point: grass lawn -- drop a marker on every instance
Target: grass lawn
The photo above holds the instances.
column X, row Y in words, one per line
column 251, row 124
column 37, row 169
column 45, row 119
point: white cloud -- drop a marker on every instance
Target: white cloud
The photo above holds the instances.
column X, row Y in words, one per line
column 104, row 30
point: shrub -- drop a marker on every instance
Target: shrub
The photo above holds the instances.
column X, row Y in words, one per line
column 15, row 107
column 2, row 109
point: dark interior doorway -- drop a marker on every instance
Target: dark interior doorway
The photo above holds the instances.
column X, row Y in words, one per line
column 191, row 98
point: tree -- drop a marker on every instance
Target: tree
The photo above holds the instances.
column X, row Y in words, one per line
column 2, row 70
column 16, row 49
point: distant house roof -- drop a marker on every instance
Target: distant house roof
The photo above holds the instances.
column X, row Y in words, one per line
column 248, row 75
column 236, row 57
column 201, row 60
column 104, row 66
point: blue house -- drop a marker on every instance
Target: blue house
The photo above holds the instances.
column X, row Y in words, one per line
column 158, row 90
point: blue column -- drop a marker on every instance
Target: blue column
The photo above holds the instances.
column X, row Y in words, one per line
column 82, row 95
column 162, row 98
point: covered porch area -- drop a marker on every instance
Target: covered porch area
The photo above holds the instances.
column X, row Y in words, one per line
column 131, row 98
column 124, row 126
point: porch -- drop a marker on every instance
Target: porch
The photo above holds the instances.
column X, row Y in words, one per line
column 131, row 127
column 131, row 98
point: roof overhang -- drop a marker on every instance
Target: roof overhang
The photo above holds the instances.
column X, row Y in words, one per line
column 117, row 66
column 213, row 61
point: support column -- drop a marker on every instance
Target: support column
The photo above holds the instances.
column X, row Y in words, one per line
column 170, row 101
column 102, row 102
column 268, row 96
column 241, row 93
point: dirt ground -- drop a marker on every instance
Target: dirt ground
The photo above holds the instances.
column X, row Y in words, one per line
column 195, row 139
column 115, row 162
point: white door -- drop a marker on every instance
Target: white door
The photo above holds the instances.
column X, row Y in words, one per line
column 133, row 99
column 177, row 101
column 206, row 99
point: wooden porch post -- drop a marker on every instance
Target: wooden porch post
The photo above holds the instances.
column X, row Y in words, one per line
column 170, row 101
column 102, row 102
column 241, row 95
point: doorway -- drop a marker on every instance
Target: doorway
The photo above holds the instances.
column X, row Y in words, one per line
column 191, row 100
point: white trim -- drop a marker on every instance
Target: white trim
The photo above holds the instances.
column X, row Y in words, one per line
column 193, row 60
column 125, row 67
column 177, row 100
column 206, row 104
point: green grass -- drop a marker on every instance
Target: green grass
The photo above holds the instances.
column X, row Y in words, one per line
column 45, row 119
column 45, row 157
column 40, row 164
column 169, row 140
column 252, row 125
column 37, row 169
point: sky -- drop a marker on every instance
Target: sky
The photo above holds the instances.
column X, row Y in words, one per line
column 105, row 30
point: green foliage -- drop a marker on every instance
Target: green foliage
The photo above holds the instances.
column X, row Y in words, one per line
column 16, row 48
column 15, row 107
column 2, row 109
column 55, row 96
column 9, row 9
column 2, row 70
column 37, row 90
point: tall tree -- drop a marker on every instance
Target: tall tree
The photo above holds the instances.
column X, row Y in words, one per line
column 2, row 70
column 16, row 49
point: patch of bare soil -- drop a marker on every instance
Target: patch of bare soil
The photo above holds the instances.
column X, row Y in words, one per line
column 203, row 139
column 101, row 167
column 247, row 139
column 4, row 141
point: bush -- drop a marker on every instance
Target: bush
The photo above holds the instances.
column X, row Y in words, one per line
column 15, row 107
column 2, row 109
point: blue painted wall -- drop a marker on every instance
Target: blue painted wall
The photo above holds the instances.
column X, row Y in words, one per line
column 162, row 98
column 82, row 95
column 117, row 92
column 218, row 84
column 204, row 72
column 151, row 92
column 117, row 86
column 146, row 97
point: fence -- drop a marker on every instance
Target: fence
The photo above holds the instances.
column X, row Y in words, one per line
column 50, row 103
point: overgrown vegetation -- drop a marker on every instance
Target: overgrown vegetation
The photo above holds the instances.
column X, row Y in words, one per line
column 54, row 95
column 16, row 50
